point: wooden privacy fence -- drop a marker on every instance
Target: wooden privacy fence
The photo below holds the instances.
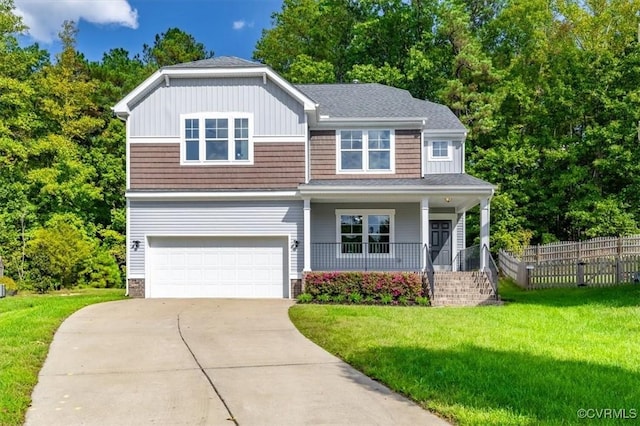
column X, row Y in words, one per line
column 595, row 263
column 595, row 248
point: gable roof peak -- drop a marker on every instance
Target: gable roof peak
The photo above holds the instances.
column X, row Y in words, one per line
column 217, row 62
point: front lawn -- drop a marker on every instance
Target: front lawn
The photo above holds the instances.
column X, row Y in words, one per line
column 27, row 325
column 538, row 359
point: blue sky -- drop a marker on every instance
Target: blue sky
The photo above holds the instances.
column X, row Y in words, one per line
column 228, row 27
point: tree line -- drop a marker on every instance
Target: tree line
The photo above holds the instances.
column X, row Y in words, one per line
column 549, row 89
column 62, row 155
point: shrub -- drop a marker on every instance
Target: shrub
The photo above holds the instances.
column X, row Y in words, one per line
column 339, row 298
column 386, row 298
column 305, row 298
column 367, row 287
column 422, row 301
column 101, row 271
column 8, row 283
column 355, row 298
column 323, row 298
column 57, row 252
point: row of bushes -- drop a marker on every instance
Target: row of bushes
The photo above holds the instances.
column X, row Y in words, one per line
column 398, row 288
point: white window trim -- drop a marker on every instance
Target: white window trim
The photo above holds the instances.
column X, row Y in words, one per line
column 364, row 213
column 449, row 156
column 365, row 153
column 201, row 116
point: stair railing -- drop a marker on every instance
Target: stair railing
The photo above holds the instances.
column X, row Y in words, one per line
column 429, row 271
column 490, row 268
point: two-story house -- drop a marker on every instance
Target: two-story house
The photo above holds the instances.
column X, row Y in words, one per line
column 239, row 181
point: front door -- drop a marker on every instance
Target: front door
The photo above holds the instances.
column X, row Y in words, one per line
column 440, row 239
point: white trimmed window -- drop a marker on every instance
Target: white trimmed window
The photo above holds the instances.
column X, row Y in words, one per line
column 440, row 151
column 216, row 139
column 365, row 231
column 365, row 151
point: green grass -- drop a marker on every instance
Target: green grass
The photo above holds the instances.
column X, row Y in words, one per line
column 538, row 359
column 27, row 325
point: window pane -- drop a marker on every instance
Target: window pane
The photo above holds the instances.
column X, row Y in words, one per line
column 379, row 160
column 379, row 139
column 242, row 128
column 193, row 150
column 242, row 150
column 440, row 149
column 379, row 244
column 191, row 128
column 217, row 150
column 351, row 160
column 216, row 128
column 352, row 244
column 351, row 139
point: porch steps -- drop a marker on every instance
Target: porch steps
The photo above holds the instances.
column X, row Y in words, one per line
column 463, row 289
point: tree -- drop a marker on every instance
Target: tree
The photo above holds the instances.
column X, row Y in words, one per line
column 57, row 251
column 306, row 70
column 319, row 29
column 174, row 47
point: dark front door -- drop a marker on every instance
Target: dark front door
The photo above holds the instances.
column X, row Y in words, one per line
column 440, row 240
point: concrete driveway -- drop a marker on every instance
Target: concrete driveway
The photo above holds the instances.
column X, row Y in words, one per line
column 203, row 362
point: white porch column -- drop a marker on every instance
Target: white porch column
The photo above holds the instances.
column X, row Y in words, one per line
column 307, row 234
column 485, row 205
column 424, row 230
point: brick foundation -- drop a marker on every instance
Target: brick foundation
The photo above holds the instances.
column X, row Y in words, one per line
column 136, row 287
column 296, row 287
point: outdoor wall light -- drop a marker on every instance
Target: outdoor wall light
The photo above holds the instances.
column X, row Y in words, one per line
column 447, row 199
column 135, row 245
column 295, row 244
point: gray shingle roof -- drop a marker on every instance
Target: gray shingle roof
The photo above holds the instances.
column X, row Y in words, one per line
column 218, row 62
column 372, row 100
column 359, row 100
column 431, row 180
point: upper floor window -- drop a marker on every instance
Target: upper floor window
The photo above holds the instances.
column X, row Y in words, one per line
column 361, row 151
column 217, row 139
column 440, row 150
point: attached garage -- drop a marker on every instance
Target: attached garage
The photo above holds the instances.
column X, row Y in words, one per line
column 228, row 267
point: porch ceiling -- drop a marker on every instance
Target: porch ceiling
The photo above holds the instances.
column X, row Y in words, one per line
column 459, row 191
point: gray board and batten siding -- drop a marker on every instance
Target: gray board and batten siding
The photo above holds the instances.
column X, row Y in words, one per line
column 158, row 113
column 455, row 165
column 215, row 218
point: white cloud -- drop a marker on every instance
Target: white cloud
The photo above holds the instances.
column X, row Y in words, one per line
column 45, row 17
column 238, row 25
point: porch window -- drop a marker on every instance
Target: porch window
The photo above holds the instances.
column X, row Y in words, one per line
column 365, row 231
column 216, row 139
column 365, row 151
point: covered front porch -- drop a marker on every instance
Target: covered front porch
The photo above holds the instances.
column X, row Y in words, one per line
column 409, row 225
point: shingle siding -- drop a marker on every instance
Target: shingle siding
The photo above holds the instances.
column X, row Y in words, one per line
column 407, row 156
column 157, row 166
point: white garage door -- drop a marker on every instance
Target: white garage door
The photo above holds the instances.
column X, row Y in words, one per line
column 236, row 267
